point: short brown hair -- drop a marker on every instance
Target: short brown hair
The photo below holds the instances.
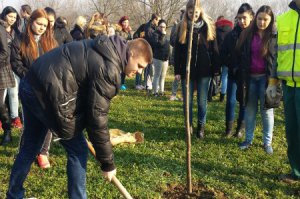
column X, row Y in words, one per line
column 141, row 47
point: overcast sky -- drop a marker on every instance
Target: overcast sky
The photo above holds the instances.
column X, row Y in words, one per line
column 14, row 3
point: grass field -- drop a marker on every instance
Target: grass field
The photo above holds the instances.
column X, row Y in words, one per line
column 147, row 170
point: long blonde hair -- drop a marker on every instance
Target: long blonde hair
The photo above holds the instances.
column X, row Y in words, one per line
column 183, row 24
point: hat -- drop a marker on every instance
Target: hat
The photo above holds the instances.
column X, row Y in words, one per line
column 124, row 18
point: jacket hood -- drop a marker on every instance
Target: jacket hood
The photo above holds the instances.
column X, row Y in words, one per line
column 293, row 6
column 113, row 48
column 223, row 23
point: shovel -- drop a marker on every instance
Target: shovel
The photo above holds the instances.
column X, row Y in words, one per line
column 114, row 179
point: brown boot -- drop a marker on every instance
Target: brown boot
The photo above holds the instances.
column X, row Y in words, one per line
column 229, row 127
column 240, row 127
column 200, row 131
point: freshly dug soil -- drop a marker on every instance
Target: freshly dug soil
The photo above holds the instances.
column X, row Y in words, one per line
column 179, row 191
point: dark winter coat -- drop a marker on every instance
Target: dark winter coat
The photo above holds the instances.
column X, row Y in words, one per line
column 223, row 26
column 140, row 32
column 228, row 53
column 244, row 64
column 149, row 31
column 205, row 60
column 7, row 79
column 77, row 33
column 61, row 34
column 161, row 46
column 21, row 64
column 75, row 84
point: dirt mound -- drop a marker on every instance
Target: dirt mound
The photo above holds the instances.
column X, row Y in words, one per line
column 179, row 191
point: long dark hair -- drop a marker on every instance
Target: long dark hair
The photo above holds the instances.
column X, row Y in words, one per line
column 252, row 29
column 7, row 10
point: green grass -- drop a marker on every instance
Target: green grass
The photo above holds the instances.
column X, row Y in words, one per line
column 146, row 169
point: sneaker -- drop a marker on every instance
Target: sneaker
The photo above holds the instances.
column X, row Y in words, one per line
column 268, row 149
column 142, row 87
column 288, row 178
column 155, row 95
column 123, row 87
column 43, row 161
column 16, row 123
column 173, row 98
column 138, row 87
column 245, row 145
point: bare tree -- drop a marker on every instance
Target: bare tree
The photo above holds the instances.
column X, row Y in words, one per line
column 167, row 9
column 229, row 8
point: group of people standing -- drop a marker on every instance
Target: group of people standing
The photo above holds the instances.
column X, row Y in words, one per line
column 257, row 57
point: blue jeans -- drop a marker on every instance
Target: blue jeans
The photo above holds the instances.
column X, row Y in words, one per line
column 138, row 79
column 35, row 129
column 202, row 86
column 224, row 79
column 175, row 86
column 13, row 98
column 257, row 88
column 231, row 102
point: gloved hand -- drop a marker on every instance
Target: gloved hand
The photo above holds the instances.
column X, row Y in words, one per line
column 109, row 175
column 271, row 91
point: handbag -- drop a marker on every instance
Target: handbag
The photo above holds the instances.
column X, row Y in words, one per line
column 274, row 102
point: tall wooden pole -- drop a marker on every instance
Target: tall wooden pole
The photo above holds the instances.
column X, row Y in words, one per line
column 187, row 112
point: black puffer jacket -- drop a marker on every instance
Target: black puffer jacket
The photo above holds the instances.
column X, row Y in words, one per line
column 205, row 60
column 61, row 34
column 228, row 53
column 161, row 46
column 75, row 83
column 244, row 64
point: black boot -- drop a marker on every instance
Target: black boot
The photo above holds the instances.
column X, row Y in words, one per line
column 6, row 138
column 222, row 97
column 5, row 125
column 200, row 131
column 229, row 127
column 240, row 127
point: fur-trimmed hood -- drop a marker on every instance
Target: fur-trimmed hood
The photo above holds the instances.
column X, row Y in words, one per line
column 3, row 23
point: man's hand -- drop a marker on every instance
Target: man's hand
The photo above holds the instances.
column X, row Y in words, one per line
column 177, row 77
column 108, row 175
column 271, row 91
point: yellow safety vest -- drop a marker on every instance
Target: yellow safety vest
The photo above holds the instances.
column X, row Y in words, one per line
column 288, row 57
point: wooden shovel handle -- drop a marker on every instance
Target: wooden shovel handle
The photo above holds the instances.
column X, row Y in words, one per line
column 114, row 179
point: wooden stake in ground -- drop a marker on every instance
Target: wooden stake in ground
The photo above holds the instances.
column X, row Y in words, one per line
column 187, row 112
column 114, row 179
